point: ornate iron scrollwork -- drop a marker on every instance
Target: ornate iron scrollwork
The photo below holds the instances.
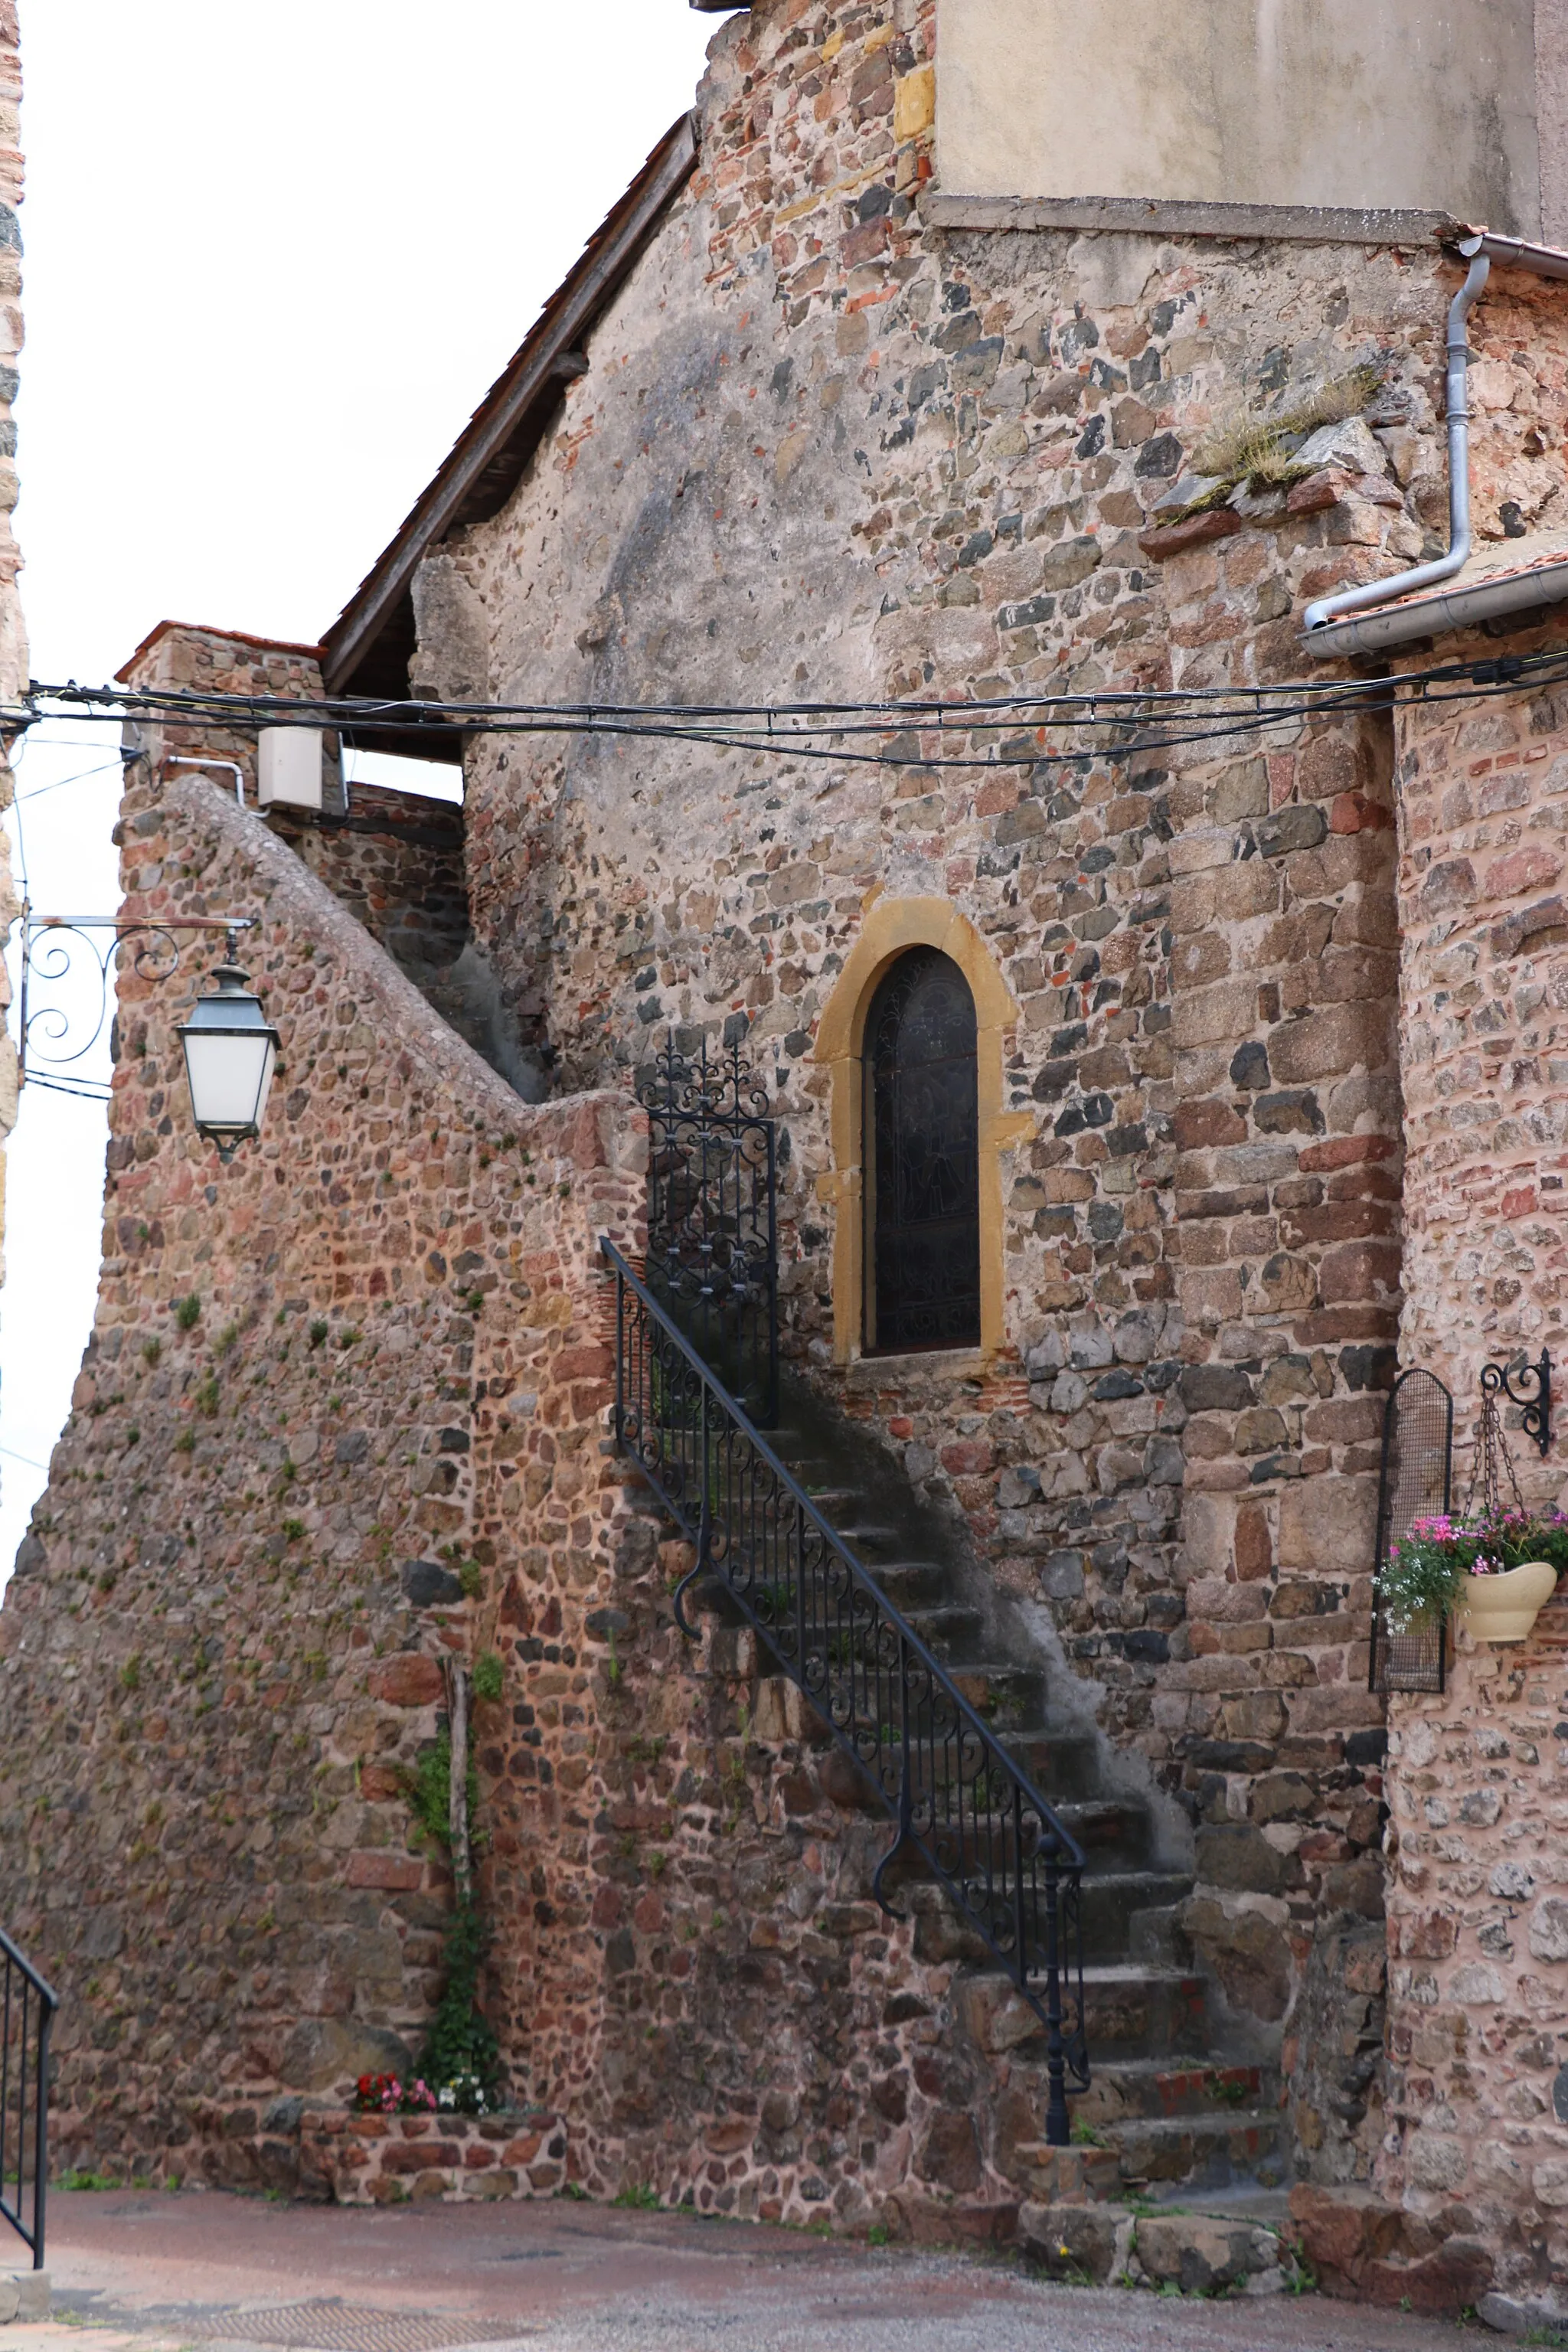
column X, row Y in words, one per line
column 55, row 1038
column 713, row 1257
column 1497, row 1379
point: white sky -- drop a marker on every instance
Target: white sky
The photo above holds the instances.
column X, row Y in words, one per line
column 274, row 258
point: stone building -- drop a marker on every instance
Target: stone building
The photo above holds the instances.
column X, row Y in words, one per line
column 953, row 350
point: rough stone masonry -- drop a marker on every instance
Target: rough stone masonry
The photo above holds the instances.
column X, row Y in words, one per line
column 824, row 449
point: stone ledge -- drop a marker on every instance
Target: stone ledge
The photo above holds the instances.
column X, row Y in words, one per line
column 1178, row 216
column 369, row 2159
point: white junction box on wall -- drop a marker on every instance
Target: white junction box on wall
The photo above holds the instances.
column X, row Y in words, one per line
column 289, row 767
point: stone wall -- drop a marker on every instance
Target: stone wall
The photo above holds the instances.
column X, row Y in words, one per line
column 395, row 861
column 342, row 1421
column 825, row 450
column 1477, row 2146
column 223, row 1643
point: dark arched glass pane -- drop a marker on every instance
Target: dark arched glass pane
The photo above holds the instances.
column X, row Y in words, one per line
column 923, row 1172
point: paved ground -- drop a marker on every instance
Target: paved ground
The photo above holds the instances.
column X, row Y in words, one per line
column 152, row 2269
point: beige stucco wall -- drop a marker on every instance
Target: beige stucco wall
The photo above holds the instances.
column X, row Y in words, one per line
column 1403, row 105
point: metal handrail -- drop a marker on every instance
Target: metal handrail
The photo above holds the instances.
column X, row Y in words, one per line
column 1008, row 1862
column 34, row 2006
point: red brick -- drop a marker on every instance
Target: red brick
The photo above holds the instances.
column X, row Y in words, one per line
column 1198, row 530
column 410, row 1679
column 393, row 1873
column 420, row 2155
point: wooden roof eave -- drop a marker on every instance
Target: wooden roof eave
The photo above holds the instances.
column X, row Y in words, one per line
column 489, row 460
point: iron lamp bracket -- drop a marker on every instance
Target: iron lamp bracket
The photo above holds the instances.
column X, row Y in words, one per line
column 1498, row 1380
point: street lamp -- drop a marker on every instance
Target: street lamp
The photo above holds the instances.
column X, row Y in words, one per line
column 230, row 1048
column 231, row 1051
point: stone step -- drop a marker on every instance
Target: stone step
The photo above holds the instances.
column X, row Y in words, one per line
column 1063, row 1764
column 1133, row 2012
column 1154, row 2090
column 1104, row 1826
column 908, row 1582
column 869, row 1540
column 1109, row 1901
column 1080, row 2234
column 1115, row 1841
column 1004, row 1697
column 1132, row 2018
column 945, row 1628
column 836, row 1504
column 1157, row 1940
column 1201, row 2152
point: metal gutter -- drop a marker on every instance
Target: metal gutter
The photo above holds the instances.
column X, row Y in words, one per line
column 1433, row 616
column 1513, row 253
column 1328, row 631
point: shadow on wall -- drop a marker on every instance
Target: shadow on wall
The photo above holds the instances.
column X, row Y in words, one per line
column 469, row 998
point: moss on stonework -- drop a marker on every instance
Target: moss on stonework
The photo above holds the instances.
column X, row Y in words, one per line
column 1259, row 451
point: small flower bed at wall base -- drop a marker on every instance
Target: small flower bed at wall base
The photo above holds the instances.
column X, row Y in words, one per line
column 357, row 2157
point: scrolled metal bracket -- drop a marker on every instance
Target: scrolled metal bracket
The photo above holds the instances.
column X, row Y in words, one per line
column 1497, row 1379
column 51, row 1038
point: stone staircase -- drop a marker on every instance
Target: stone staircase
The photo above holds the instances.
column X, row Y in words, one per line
column 1170, row 2111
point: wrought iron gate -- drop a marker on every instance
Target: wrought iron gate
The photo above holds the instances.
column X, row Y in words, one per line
column 713, row 1244
column 1417, row 1483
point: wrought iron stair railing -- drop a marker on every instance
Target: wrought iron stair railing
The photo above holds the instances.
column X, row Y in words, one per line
column 1011, row 1867
column 27, row 2007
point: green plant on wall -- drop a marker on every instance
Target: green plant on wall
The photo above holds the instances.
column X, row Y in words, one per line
column 428, row 1789
column 461, row 2059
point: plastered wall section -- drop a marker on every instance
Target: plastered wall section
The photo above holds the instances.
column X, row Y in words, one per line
column 1398, row 106
column 824, row 450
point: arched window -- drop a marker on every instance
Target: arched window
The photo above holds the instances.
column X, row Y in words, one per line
column 922, row 1194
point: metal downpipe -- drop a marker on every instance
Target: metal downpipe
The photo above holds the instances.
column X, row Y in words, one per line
column 1431, row 576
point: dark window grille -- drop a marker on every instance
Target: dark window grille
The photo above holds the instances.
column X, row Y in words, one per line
column 27, row 2012
column 1009, row 1863
column 712, row 1242
column 1417, row 1483
column 923, row 1190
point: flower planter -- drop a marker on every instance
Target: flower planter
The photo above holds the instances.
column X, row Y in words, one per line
column 1504, row 1608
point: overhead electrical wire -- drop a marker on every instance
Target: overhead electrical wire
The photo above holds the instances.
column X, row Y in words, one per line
column 1126, row 722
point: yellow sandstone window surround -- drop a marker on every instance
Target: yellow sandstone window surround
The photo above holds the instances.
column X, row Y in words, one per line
column 891, row 927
